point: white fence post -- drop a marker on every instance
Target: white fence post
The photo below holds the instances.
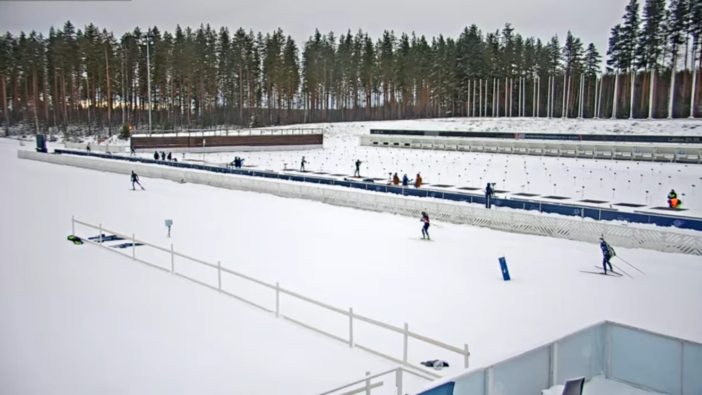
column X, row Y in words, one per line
column 368, row 387
column 398, row 381
column 219, row 275
column 172, row 260
column 404, row 353
column 466, row 356
column 351, row 344
column 73, row 225
column 100, row 234
column 133, row 245
column 277, row 299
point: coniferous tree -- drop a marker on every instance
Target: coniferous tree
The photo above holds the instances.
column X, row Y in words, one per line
column 650, row 45
column 629, row 36
column 593, row 60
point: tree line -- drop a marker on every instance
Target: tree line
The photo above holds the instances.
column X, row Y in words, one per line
column 206, row 78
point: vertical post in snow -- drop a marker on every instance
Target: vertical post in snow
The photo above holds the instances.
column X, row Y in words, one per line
column 368, row 386
column 277, row 299
column 650, row 94
column 406, row 336
column 466, row 356
column 351, row 342
column 632, row 85
column 692, row 95
column 538, row 98
column 398, row 381
column 497, row 98
column 511, row 96
column 548, row 99
column 614, row 99
column 133, row 247
column 100, row 234
column 597, row 92
column 219, row 275
column 172, row 260
column 582, row 96
column 73, row 225
column 506, row 97
column 570, row 88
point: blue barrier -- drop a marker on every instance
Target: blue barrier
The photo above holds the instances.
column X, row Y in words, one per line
column 505, row 269
column 529, row 205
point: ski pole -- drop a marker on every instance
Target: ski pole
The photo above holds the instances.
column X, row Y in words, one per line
column 631, row 265
column 620, row 269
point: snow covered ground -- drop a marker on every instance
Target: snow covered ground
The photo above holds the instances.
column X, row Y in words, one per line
column 59, row 296
column 80, row 320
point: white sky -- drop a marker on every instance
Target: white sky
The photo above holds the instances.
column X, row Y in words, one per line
column 590, row 20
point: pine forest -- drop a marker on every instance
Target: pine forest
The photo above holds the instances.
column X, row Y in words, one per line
column 203, row 78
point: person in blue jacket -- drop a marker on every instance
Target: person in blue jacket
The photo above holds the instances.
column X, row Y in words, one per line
column 607, row 254
column 425, row 228
column 405, row 181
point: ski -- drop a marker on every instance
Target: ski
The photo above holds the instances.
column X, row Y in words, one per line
column 420, row 239
column 611, row 271
column 600, row 273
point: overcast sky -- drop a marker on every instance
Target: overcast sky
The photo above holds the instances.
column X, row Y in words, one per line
column 590, row 20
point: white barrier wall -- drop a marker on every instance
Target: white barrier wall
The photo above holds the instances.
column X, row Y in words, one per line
column 97, row 147
column 688, row 153
column 505, row 220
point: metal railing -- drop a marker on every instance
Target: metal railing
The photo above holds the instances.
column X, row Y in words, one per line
column 368, row 385
column 352, row 317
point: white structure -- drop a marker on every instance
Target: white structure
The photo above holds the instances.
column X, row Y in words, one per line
column 688, row 153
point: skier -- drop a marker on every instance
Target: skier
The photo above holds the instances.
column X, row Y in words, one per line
column 169, row 156
column 155, row 155
column 135, row 180
column 607, row 254
column 673, row 201
column 405, row 181
column 418, row 181
column 396, row 179
column 87, row 147
column 302, row 164
column 133, row 152
column 425, row 228
column 357, row 173
column 489, row 192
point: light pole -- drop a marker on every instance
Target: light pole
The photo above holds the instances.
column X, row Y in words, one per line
column 148, row 73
